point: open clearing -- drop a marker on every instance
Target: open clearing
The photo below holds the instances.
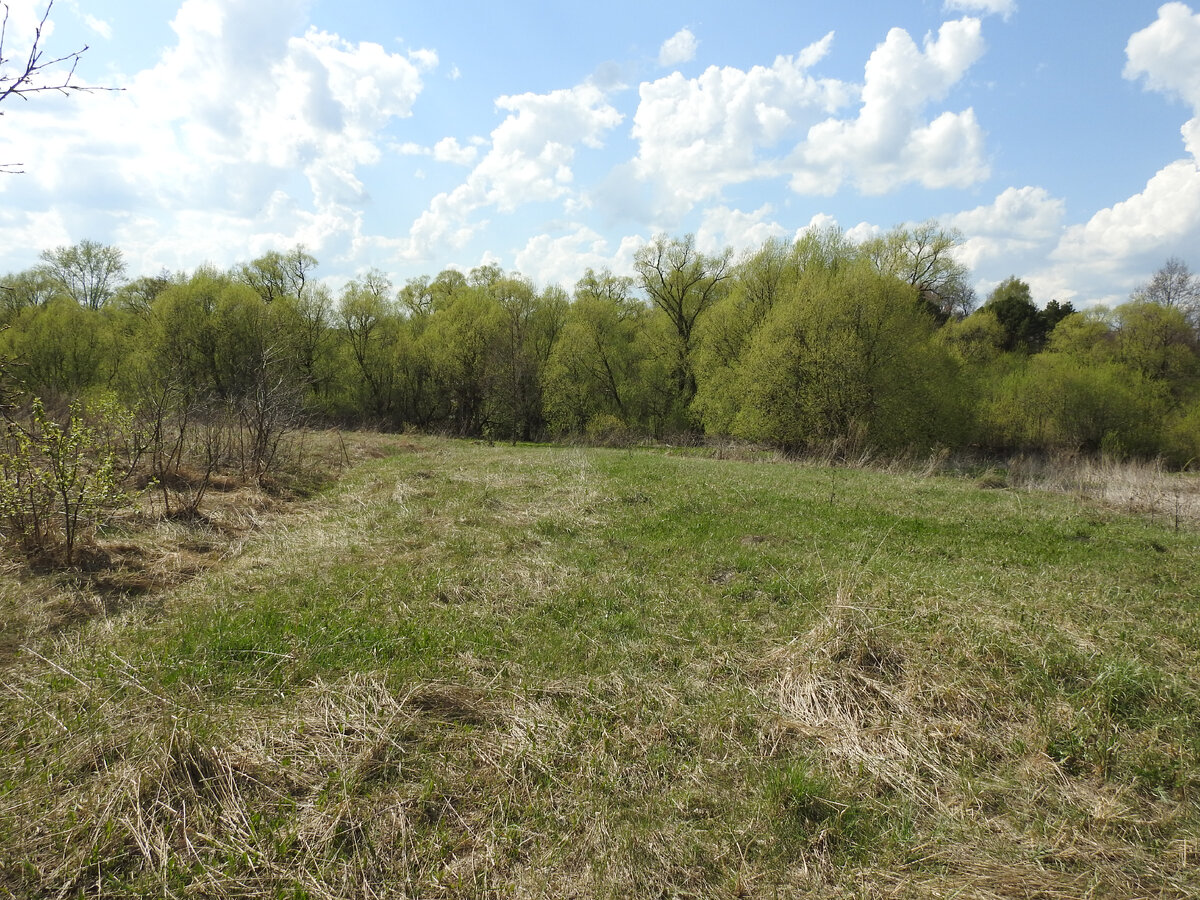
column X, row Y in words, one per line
column 473, row 671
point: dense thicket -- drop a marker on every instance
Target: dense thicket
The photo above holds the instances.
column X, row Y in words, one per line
column 802, row 345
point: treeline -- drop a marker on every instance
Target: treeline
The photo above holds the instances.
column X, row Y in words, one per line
column 879, row 345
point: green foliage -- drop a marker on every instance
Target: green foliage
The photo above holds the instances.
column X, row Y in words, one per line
column 683, row 283
column 88, row 272
column 848, row 359
column 459, row 342
column 1158, row 342
column 762, row 280
column 530, row 324
column 816, row 341
column 32, row 287
column 1059, row 402
column 57, row 483
column 277, row 276
column 976, row 340
column 923, row 257
column 1173, row 286
column 1012, row 305
column 60, row 349
column 594, row 368
column 370, row 325
column 1085, row 336
column 1182, row 436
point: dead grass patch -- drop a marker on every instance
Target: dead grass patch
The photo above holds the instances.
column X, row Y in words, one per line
column 966, row 755
column 1142, row 487
column 353, row 788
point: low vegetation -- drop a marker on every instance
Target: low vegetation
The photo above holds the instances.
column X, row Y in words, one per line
column 465, row 670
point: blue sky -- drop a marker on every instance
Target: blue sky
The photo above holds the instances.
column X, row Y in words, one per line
column 1060, row 138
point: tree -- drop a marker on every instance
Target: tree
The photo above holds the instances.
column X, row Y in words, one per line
column 1173, row 285
column 683, row 283
column 762, row 279
column 276, row 275
column 89, row 272
column 182, row 344
column 847, row 359
column 32, row 287
column 1087, row 336
column 448, row 284
column 976, row 340
column 138, row 295
column 416, row 297
column 1011, row 302
column 924, row 258
column 1055, row 312
column 1026, row 327
column 61, row 349
column 369, row 321
column 460, row 342
column 36, row 74
column 1155, row 340
column 604, row 285
column 529, row 323
column 593, row 369
column 307, row 323
column 1061, row 403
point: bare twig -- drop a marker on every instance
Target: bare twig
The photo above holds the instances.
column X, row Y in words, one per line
column 34, row 75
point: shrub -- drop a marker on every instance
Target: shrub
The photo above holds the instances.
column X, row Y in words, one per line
column 57, row 484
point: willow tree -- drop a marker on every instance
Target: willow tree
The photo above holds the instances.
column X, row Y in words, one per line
column 88, row 272
column 923, row 256
column 848, row 359
column 594, row 369
column 683, row 283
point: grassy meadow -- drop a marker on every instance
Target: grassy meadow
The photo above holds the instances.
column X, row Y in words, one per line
column 464, row 670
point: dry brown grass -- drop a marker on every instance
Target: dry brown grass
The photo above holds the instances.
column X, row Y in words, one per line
column 904, row 722
column 1142, row 487
column 332, row 795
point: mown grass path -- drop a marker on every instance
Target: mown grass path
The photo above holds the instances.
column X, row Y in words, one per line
column 472, row 671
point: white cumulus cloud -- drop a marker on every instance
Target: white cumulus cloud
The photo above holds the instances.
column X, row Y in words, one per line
column 1103, row 258
column 697, row 136
column 728, row 125
column 890, row 143
column 1166, row 55
column 562, row 260
column 448, row 149
column 679, row 48
column 529, row 161
column 723, row 227
column 1160, row 221
column 205, row 142
column 1007, row 235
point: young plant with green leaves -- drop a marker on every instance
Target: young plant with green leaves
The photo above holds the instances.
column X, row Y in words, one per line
column 57, row 483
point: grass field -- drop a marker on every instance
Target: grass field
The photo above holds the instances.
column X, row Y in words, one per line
column 473, row 671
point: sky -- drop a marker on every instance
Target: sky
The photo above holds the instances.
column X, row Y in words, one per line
column 1060, row 138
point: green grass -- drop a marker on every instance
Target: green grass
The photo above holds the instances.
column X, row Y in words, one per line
column 470, row 671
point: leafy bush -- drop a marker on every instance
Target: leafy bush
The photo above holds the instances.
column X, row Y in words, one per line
column 57, row 483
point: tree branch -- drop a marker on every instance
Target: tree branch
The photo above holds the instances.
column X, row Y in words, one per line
column 33, row 75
